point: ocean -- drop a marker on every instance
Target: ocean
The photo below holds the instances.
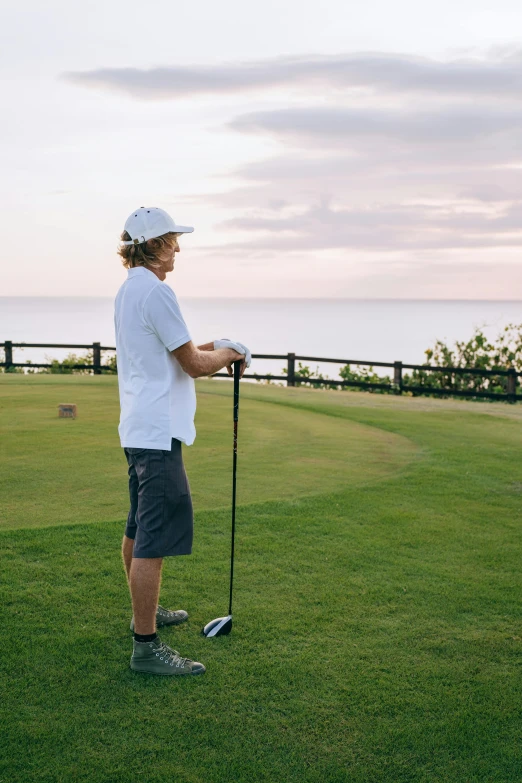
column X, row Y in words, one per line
column 383, row 330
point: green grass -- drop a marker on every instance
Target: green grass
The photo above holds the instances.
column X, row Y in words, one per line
column 377, row 609
column 79, row 468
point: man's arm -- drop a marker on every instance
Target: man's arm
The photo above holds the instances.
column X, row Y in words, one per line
column 206, row 347
column 198, row 362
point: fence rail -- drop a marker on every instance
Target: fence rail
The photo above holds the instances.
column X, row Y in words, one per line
column 293, row 379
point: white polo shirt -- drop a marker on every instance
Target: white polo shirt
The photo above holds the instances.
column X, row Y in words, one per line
column 157, row 397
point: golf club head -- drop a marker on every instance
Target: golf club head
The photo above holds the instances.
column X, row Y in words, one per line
column 221, row 626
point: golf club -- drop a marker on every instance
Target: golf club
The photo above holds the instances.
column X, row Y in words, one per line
column 222, row 626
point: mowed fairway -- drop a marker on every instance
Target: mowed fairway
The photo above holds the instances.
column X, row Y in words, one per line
column 377, row 624
column 61, row 471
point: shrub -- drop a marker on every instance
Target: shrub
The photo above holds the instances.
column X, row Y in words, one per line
column 479, row 353
column 65, row 366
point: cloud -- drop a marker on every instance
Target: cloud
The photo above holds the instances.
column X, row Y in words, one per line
column 382, row 228
column 375, row 174
column 381, row 154
column 398, row 181
column 439, row 127
column 401, row 180
column 499, row 75
column 368, row 178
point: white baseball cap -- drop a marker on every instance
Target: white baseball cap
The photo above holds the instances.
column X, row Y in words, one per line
column 150, row 222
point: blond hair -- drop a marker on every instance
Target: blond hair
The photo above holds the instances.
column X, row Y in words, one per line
column 152, row 253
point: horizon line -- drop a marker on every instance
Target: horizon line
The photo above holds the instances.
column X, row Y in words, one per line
column 280, row 298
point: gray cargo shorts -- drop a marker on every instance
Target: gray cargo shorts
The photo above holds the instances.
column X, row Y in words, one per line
column 160, row 519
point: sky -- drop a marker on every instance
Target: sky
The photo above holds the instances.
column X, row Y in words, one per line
column 332, row 149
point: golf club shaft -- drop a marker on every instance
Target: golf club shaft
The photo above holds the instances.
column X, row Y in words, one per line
column 237, row 368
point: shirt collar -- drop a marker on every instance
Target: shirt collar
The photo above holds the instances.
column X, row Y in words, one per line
column 138, row 270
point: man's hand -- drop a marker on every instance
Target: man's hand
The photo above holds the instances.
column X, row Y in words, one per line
column 198, row 363
column 242, row 368
column 236, row 346
column 240, row 352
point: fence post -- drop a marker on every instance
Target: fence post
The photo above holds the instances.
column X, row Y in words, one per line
column 8, row 349
column 397, row 377
column 96, row 358
column 290, row 373
column 512, row 385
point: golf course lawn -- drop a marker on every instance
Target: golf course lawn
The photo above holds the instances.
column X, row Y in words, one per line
column 377, row 608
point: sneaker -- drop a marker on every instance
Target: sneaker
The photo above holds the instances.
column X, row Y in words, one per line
column 157, row 658
column 167, row 617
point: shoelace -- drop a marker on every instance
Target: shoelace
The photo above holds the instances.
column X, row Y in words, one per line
column 165, row 612
column 170, row 656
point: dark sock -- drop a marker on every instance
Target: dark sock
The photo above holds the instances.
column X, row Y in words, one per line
column 147, row 637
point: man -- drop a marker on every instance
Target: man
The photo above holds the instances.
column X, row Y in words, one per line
column 157, row 364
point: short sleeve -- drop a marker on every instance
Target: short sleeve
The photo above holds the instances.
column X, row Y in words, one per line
column 162, row 313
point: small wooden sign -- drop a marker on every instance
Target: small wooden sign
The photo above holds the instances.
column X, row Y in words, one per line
column 67, row 410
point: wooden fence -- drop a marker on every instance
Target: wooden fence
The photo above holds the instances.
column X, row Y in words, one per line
column 293, row 379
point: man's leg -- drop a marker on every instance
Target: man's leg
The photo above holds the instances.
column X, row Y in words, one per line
column 163, row 616
column 150, row 654
column 173, row 537
column 127, row 548
column 144, row 583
